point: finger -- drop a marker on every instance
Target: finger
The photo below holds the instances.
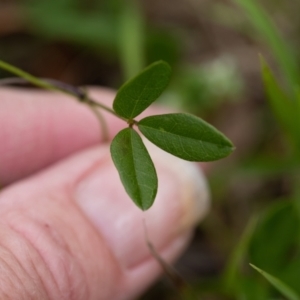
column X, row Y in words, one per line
column 39, row 128
column 70, row 232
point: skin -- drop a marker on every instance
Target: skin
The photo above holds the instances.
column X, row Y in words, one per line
column 67, row 228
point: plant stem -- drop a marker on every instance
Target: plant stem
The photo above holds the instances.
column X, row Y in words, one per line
column 101, row 121
column 97, row 113
column 54, row 85
column 35, row 81
column 90, row 101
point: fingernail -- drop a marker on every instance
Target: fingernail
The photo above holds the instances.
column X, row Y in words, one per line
column 182, row 200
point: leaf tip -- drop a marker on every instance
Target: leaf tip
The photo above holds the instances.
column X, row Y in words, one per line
column 232, row 150
column 162, row 62
column 256, row 268
column 264, row 65
column 261, row 58
column 230, row 145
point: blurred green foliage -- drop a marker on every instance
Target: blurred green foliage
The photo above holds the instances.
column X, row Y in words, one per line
column 274, row 245
column 268, row 32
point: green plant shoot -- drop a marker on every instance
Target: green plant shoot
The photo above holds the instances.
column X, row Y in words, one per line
column 183, row 135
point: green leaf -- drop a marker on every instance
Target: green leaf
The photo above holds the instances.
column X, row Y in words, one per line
column 279, row 285
column 186, row 136
column 135, row 167
column 138, row 93
column 232, row 271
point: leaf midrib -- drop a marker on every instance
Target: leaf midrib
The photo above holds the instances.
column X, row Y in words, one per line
column 184, row 137
column 135, row 175
column 139, row 97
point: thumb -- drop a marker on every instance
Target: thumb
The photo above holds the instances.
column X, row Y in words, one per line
column 71, row 232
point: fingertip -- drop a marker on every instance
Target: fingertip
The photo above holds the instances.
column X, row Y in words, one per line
column 40, row 128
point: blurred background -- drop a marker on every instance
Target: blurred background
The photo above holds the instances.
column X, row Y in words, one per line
column 213, row 48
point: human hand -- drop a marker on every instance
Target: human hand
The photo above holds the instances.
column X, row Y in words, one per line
column 68, row 230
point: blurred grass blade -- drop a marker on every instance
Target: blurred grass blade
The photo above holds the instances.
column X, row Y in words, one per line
column 270, row 34
column 186, row 136
column 135, row 167
column 230, row 276
column 131, row 39
column 278, row 284
column 138, row 93
column 61, row 21
column 287, row 112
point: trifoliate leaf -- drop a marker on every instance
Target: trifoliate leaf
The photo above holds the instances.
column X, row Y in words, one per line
column 135, row 167
column 186, row 136
column 138, row 93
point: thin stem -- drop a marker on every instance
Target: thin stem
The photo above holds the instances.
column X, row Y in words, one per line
column 53, row 85
column 35, row 81
column 98, row 114
column 101, row 121
column 170, row 272
column 90, row 101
